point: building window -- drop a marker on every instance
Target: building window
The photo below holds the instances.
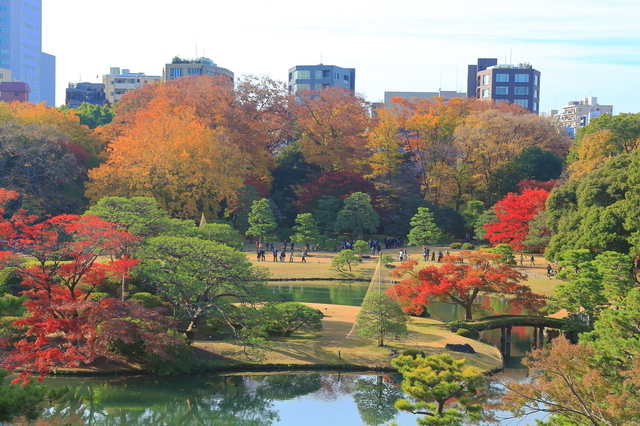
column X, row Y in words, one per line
column 326, row 73
column 535, row 107
column 4, row 51
column 502, row 77
column 4, row 7
column 535, row 93
column 4, row 19
column 4, row 40
column 486, row 79
column 521, row 90
column 300, row 87
column 195, row 71
column 175, row 73
column 521, row 78
column 16, row 93
column 346, row 79
column 302, row 75
column 4, row 30
column 4, row 62
column 523, row 102
column 536, row 80
column 486, row 93
column 502, row 90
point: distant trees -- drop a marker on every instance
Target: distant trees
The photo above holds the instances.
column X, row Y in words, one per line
column 357, row 215
column 424, row 230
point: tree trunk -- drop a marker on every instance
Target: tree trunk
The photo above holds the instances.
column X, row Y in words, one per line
column 190, row 332
column 467, row 312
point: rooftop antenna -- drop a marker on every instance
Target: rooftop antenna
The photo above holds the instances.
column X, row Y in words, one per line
column 456, row 77
column 440, row 89
column 321, row 59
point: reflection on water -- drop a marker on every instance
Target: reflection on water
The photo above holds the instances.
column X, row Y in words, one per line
column 352, row 293
column 238, row 400
column 348, row 293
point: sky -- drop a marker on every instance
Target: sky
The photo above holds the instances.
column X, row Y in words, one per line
column 581, row 47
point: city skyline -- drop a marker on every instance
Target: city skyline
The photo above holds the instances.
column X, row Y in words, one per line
column 581, row 48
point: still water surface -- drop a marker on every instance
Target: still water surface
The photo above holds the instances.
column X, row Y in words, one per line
column 307, row 399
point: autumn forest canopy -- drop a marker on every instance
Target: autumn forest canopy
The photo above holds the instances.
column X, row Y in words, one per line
column 104, row 203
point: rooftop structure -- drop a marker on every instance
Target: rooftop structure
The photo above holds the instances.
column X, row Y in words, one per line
column 118, row 83
column 14, row 91
column 92, row 93
column 180, row 67
column 318, row 77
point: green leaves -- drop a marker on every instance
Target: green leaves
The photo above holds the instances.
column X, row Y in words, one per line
column 424, row 230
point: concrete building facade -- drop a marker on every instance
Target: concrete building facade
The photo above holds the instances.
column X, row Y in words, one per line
column 445, row 94
column 118, row 83
column 21, row 48
column 518, row 84
column 92, row 93
column 317, row 77
column 14, row 91
column 472, row 74
column 577, row 114
column 180, row 67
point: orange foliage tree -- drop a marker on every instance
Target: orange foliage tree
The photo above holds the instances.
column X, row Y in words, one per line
column 488, row 139
column 253, row 116
column 458, row 283
column 170, row 154
column 331, row 125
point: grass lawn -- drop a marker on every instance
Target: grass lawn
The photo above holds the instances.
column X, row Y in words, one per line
column 333, row 347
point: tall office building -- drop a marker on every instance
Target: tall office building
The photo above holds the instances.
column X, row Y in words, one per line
column 21, row 48
column 317, row 77
column 518, row 84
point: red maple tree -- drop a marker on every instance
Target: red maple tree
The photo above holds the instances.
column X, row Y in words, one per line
column 456, row 282
column 513, row 214
column 68, row 324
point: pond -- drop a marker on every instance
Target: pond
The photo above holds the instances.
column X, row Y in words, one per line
column 309, row 398
column 352, row 293
column 236, row 400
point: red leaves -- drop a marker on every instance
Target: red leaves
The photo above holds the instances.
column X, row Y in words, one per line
column 514, row 212
column 65, row 326
column 455, row 282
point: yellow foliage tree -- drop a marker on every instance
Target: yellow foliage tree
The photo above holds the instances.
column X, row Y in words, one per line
column 170, row 154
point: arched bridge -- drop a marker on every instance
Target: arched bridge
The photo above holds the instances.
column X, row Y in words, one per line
column 506, row 322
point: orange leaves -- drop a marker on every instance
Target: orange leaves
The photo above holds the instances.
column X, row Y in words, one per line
column 331, row 125
column 170, row 154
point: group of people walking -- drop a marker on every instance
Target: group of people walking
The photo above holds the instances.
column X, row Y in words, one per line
column 280, row 255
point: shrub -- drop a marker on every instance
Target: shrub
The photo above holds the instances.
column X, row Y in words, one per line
column 470, row 334
column 455, row 246
column 485, row 247
column 183, row 360
column 468, row 246
column 148, row 300
column 413, row 352
column 8, row 333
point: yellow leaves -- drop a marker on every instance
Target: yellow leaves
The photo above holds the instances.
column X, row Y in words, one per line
column 593, row 150
column 170, row 154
